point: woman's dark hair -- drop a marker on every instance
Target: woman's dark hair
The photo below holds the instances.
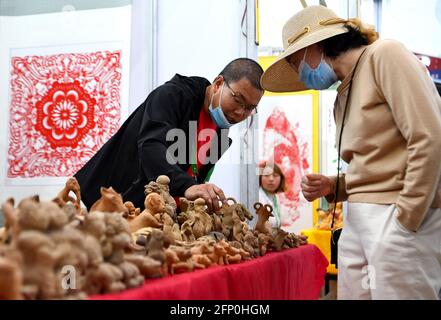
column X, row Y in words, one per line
column 276, row 169
column 358, row 35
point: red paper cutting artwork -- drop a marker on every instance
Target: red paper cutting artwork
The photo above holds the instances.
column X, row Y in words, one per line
column 282, row 143
column 63, row 108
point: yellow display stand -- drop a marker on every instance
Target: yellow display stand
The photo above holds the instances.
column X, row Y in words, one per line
column 322, row 239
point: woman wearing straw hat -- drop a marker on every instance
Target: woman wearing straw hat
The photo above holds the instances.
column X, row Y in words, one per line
column 388, row 119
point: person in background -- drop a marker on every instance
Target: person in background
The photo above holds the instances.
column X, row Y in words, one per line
column 391, row 115
column 271, row 183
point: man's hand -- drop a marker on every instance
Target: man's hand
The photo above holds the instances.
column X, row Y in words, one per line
column 209, row 192
column 315, row 186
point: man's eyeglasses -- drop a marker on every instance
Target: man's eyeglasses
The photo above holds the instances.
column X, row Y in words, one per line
column 250, row 109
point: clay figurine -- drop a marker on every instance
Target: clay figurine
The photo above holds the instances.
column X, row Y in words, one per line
column 110, row 201
column 64, row 196
column 263, row 213
column 170, row 203
column 153, row 205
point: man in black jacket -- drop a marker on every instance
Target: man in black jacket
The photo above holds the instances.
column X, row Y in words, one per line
column 149, row 142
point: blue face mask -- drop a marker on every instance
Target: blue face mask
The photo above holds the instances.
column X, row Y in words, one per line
column 217, row 114
column 319, row 78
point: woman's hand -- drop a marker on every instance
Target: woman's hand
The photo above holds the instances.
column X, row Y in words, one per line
column 315, row 186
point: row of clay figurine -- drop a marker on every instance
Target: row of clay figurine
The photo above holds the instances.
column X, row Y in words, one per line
column 57, row 250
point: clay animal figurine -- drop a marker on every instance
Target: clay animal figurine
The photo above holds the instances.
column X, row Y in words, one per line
column 110, row 201
column 132, row 277
column 106, row 278
column 170, row 203
column 149, row 268
column 218, row 256
column 206, row 220
column 240, row 229
column 155, row 246
column 40, row 281
column 31, row 214
column 29, row 217
column 263, row 241
column 217, row 221
column 153, row 205
column 202, row 221
column 132, row 211
column 117, row 238
column 10, row 216
column 263, row 213
column 64, row 196
column 239, row 246
column 171, row 229
column 231, row 212
column 250, row 244
column 232, row 254
column 11, row 276
column 178, row 260
column 278, row 241
column 187, row 229
column 185, row 205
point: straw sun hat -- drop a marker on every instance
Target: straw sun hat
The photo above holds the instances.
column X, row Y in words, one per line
column 311, row 25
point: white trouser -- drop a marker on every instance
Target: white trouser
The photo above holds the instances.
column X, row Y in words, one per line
column 380, row 259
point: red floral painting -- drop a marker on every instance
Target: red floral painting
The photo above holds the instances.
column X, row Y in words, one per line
column 283, row 144
column 63, row 108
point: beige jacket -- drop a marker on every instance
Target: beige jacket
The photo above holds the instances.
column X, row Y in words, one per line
column 392, row 134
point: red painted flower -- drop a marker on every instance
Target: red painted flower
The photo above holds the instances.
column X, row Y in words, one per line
column 65, row 114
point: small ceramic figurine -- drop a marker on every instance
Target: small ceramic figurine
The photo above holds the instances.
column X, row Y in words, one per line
column 153, row 205
column 250, row 244
column 132, row 211
column 64, row 196
column 230, row 212
column 110, row 201
column 170, row 203
column 263, row 241
column 203, row 224
column 10, row 217
column 278, row 240
column 171, row 229
column 155, row 245
column 263, row 213
column 149, row 267
column 11, row 276
column 40, row 256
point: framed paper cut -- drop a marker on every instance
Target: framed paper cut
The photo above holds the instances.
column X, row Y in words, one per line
column 288, row 136
column 65, row 92
column 63, row 108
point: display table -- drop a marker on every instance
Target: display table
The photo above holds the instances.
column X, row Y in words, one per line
column 322, row 239
column 291, row 274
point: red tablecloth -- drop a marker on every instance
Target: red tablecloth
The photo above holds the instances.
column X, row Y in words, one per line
column 291, row 274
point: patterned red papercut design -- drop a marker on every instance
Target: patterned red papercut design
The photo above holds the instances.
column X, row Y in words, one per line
column 282, row 144
column 63, row 108
column 65, row 114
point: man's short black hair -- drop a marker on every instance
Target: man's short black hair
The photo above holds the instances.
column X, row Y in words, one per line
column 243, row 68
